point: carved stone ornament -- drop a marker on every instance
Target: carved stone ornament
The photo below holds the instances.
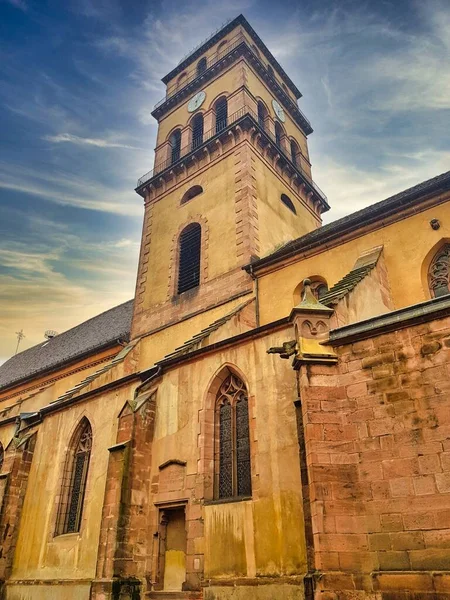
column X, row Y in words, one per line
column 312, row 323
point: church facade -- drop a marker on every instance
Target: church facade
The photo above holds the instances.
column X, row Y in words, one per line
column 270, row 416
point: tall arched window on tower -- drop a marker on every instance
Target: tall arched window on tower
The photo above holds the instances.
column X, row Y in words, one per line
column 221, row 114
column 278, row 133
column 197, row 131
column 175, row 145
column 294, row 152
column 189, row 258
column 74, row 480
column 201, row 66
column 2, row 456
column 439, row 272
column 232, row 453
column 262, row 114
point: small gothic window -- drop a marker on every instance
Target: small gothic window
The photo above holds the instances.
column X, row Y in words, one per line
column 191, row 193
column 74, row 480
column 233, row 469
column 288, row 202
column 175, row 145
column 221, row 114
column 439, row 273
column 294, row 152
column 278, row 133
column 197, row 131
column 189, row 258
column 262, row 113
column 320, row 291
column 270, row 70
column 201, row 66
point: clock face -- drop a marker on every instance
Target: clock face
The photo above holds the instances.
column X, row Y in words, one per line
column 278, row 111
column 196, row 101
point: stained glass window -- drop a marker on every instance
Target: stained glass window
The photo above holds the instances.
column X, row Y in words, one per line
column 439, row 273
column 74, row 480
column 234, row 468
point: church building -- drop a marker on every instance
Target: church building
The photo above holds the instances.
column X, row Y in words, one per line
column 269, row 417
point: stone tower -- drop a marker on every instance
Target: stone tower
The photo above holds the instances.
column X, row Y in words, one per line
column 231, row 157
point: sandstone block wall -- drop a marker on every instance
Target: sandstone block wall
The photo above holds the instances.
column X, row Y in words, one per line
column 377, row 432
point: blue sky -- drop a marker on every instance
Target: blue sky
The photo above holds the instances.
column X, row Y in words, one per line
column 79, row 78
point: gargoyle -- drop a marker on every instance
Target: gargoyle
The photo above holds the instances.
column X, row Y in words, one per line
column 286, row 350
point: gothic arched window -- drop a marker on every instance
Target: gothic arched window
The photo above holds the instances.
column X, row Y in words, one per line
column 232, row 463
column 189, row 261
column 197, row 131
column 74, row 480
column 262, row 113
column 175, row 145
column 439, row 272
column 201, row 66
column 221, row 114
column 278, row 133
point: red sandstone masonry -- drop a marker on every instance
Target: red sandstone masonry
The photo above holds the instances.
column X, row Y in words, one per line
column 18, row 460
column 378, row 439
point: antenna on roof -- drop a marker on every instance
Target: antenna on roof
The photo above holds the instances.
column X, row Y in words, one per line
column 49, row 334
column 20, row 335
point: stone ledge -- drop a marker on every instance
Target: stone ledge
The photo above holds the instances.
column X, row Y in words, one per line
column 398, row 319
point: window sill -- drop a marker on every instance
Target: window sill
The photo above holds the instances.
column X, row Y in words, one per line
column 65, row 536
column 227, row 500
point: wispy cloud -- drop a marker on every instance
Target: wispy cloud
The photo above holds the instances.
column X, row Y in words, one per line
column 81, row 141
column 20, row 4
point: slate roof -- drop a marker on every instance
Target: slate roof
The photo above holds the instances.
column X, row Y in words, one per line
column 371, row 214
column 92, row 335
column 362, row 267
column 195, row 341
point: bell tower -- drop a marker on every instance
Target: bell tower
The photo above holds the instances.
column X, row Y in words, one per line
column 231, row 178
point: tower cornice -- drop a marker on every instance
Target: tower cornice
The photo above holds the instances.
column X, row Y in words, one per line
column 215, row 37
column 237, row 49
column 243, row 120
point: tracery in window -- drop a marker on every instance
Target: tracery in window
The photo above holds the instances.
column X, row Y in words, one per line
column 74, row 480
column 189, row 258
column 221, row 111
column 197, row 131
column 288, row 202
column 175, row 145
column 195, row 190
column 439, row 272
column 233, row 469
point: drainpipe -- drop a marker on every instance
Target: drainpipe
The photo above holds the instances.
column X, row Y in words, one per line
column 309, row 579
column 255, row 279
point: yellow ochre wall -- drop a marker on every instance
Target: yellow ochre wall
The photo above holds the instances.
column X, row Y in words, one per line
column 263, row 536
column 406, row 244
column 216, row 205
column 38, row 554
